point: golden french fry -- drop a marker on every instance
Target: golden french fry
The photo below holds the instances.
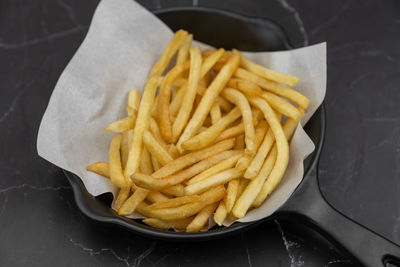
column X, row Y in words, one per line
column 208, row 99
column 171, row 49
column 183, row 52
column 123, row 195
column 133, row 102
column 215, row 113
column 164, row 96
column 190, row 158
column 220, row 214
column 190, row 93
column 155, row 130
column 245, row 161
column 142, row 121
column 219, row 167
column 201, row 219
column 133, row 201
column 153, row 110
column 213, row 180
column 175, row 202
column 207, row 165
column 235, row 130
column 262, row 152
column 274, row 87
column 281, row 105
column 177, row 190
column 178, row 84
column 173, row 151
column 156, row 149
column 166, row 225
column 177, row 100
column 146, row 165
column 282, row 146
column 211, row 196
column 240, row 101
column 101, row 168
column 155, row 163
column 239, row 144
column 155, row 197
column 126, row 140
column 247, row 87
column 224, row 104
column 254, row 187
column 231, row 193
column 114, row 161
column 121, row 125
column 208, row 136
column 268, row 73
column 242, row 186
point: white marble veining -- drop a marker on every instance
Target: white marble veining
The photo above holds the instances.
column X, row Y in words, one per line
column 285, row 4
column 332, row 19
column 291, row 247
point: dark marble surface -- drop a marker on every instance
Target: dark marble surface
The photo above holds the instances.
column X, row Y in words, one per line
column 40, row 224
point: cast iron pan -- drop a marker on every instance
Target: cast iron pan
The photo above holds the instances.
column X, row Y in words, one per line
column 306, row 205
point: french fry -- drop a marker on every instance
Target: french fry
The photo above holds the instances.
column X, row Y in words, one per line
column 235, row 130
column 156, row 197
column 164, row 96
column 101, row 168
column 175, row 202
column 177, row 190
column 133, row 201
column 173, row 151
column 214, row 180
column 177, row 100
column 190, row 158
column 178, row 84
column 208, row 99
column 126, row 139
column 239, row 144
column 171, row 49
column 146, row 165
column 121, row 125
column 220, row 214
column 155, row 130
column 281, row 105
column 245, row 161
column 224, row 104
column 201, row 219
column 231, row 193
column 262, row 152
column 156, row 149
column 247, row 87
column 282, row 146
column 240, row 101
column 274, row 87
column 114, row 161
column 219, row 167
column 215, row 113
column 190, row 93
column 208, row 136
column 242, row 186
column 133, row 102
column 142, row 120
column 254, row 187
column 211, row 196
column 268, row 73
column 123, row 195
column 166, row 225
column 183, row 52
column 155, row 163
column 207, row 165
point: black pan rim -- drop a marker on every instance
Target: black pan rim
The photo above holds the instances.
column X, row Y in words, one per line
column 147, row 231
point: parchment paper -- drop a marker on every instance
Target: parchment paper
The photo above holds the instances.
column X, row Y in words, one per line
column 123, row 43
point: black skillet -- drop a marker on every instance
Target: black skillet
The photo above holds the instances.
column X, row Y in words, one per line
column 306, row 205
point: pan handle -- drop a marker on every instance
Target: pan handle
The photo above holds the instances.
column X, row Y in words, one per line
column 369, row 248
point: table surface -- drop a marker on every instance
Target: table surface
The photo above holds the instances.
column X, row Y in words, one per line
column 40, row 224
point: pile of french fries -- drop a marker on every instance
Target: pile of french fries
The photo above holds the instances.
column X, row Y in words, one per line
column 212, row 142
